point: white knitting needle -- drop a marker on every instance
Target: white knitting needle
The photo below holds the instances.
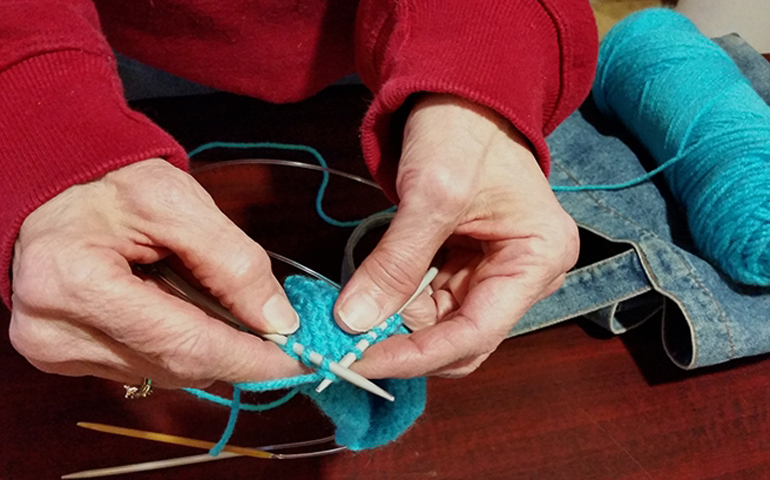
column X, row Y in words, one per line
column 185, row 291
column 363, row 344
column 149, row 466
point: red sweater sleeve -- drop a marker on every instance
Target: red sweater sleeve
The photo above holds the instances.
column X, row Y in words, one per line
column 532, row 61
column 64, row 119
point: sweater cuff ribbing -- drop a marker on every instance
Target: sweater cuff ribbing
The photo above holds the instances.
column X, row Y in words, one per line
column 64, row 121
column 525, row 59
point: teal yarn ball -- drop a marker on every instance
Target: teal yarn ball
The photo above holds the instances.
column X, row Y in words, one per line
column 689, row 104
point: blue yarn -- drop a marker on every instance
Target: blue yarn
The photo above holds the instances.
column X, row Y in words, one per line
column 292, row 147
column 702, row 121
column 235, row 408
column 362, row 420
column 246, row 407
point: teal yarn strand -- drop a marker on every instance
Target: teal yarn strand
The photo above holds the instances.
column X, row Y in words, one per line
column 235, row 409
column 290, row 147
column 246, row 407
column 700, row 118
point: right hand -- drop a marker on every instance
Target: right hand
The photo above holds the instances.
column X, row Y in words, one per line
column 79, row 310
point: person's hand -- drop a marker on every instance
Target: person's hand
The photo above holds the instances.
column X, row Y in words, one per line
column 471, row 190
column 79, row 310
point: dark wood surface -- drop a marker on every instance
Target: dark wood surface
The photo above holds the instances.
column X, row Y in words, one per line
column 568, row 402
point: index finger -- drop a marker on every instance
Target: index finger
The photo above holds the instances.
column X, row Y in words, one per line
column 182, row 339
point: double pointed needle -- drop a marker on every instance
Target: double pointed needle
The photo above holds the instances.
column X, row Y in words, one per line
column 179, row 287
column 363, row 344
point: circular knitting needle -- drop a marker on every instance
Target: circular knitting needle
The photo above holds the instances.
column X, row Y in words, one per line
column 363, row 344
column 179, row 287
column 229, row 451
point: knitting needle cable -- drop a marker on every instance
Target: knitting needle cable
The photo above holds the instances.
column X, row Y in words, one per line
column 301, row 267
column 285, row 163
column 363, row 344
column 230, row 451
column 179, row 287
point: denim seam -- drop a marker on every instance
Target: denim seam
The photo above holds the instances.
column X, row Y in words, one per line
column 653, row 279
column 719, row 310
column 665, row 343
column 658, row 288
column 600, row 262
column 640, row 322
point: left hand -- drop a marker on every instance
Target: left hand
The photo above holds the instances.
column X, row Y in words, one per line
column 471, row 188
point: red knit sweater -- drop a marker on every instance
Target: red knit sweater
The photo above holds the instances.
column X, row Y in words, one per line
column 63, row 119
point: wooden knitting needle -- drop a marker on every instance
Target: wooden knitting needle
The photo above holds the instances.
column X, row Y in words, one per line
column 229, row 452
column 363, row 344
column 173, row 439
column 179, row 287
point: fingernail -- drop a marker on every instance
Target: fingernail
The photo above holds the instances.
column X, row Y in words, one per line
column 280, row 316
column 360, row 313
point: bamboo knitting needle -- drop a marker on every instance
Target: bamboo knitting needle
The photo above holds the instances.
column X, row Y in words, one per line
column 363, row 344
column 194, row 459
column 185, row 291
column 172, row 439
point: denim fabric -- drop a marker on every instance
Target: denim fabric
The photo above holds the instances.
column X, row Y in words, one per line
column 707, row 318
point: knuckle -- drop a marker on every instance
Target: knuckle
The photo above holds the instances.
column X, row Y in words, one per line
column 170, row 192
column 28, row 284
column 244, row 267
column 459, row 372
column 188, row 358
column 389, row 273
column 36, row 344
column 475, row 341
column 248, row 261
column 452, row 193
column 164, row 196
column 557, row 244
column 441, row 192
column 58, row 274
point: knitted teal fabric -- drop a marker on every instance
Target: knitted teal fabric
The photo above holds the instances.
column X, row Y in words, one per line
column 363, row 421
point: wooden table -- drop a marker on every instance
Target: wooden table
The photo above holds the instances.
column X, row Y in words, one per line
column 568, row 402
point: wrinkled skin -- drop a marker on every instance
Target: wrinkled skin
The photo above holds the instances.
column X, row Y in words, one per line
column 470, row 189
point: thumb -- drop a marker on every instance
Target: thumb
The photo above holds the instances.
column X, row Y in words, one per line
column 234, row 268
column 237, row 271
column 393, row 271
